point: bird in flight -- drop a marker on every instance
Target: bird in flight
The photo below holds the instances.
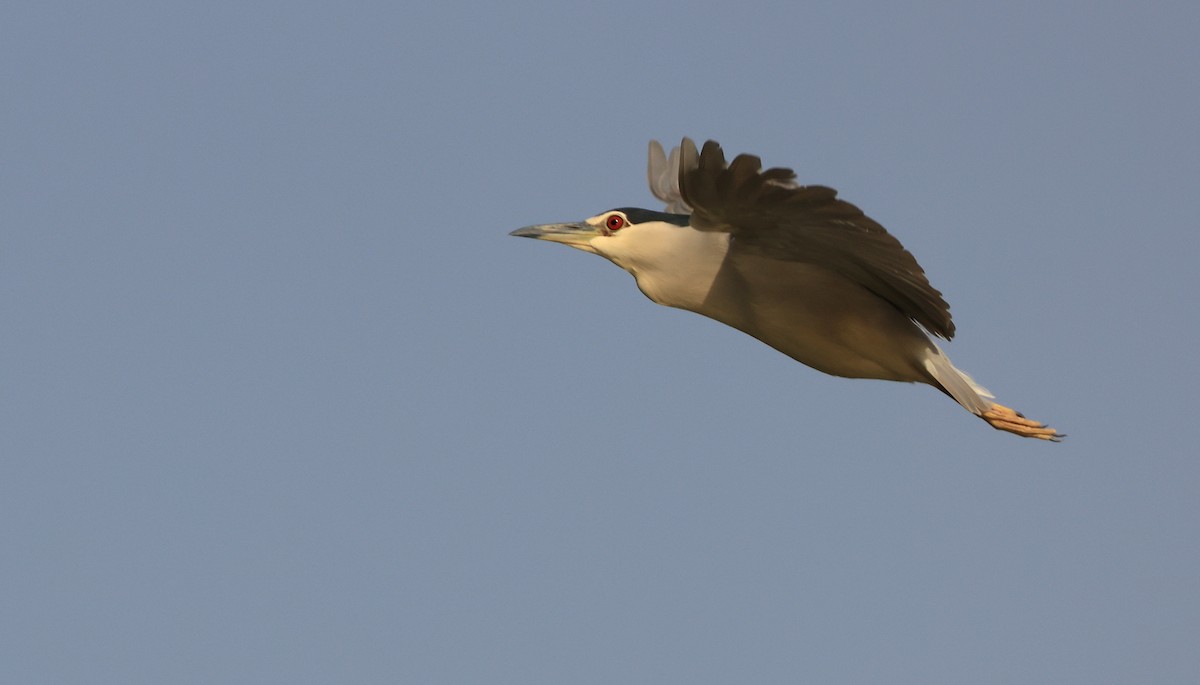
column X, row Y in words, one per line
column 794, row 266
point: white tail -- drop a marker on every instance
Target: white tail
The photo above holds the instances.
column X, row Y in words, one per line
column 971, row 395
column 978, row 400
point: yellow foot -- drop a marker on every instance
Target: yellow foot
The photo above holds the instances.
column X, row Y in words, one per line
column 1005, row 419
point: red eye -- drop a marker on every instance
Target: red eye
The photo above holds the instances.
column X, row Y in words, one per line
column 615, row 222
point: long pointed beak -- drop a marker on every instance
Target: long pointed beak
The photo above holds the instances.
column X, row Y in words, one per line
column 577, row 234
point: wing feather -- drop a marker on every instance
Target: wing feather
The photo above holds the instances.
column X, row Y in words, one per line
column 768, row 214
column 663, row 175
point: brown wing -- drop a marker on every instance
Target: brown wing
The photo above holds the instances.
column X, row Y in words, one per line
column 768, row 214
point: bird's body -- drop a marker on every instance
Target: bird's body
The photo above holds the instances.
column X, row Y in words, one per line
column 841, row 329
column 802, row 271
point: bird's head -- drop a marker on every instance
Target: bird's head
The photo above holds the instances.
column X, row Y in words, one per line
column 618, row 234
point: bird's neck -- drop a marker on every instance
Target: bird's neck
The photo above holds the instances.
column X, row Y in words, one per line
column 674, row 266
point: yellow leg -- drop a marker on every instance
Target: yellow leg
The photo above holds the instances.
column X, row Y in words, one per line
column 1006, row 419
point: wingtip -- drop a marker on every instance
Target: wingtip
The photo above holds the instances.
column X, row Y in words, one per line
column 656, row 165
column 687, row 145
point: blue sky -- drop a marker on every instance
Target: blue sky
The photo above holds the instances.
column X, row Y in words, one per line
column 283, row 403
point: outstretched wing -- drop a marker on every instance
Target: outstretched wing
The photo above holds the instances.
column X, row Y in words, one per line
column 768, row 214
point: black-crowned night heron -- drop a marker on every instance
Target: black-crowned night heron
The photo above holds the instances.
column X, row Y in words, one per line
column 794, row 266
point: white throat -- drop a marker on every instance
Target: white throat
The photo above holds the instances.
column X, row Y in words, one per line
column 673, row 265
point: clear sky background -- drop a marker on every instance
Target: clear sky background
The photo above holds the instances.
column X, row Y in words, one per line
column 281, row 401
